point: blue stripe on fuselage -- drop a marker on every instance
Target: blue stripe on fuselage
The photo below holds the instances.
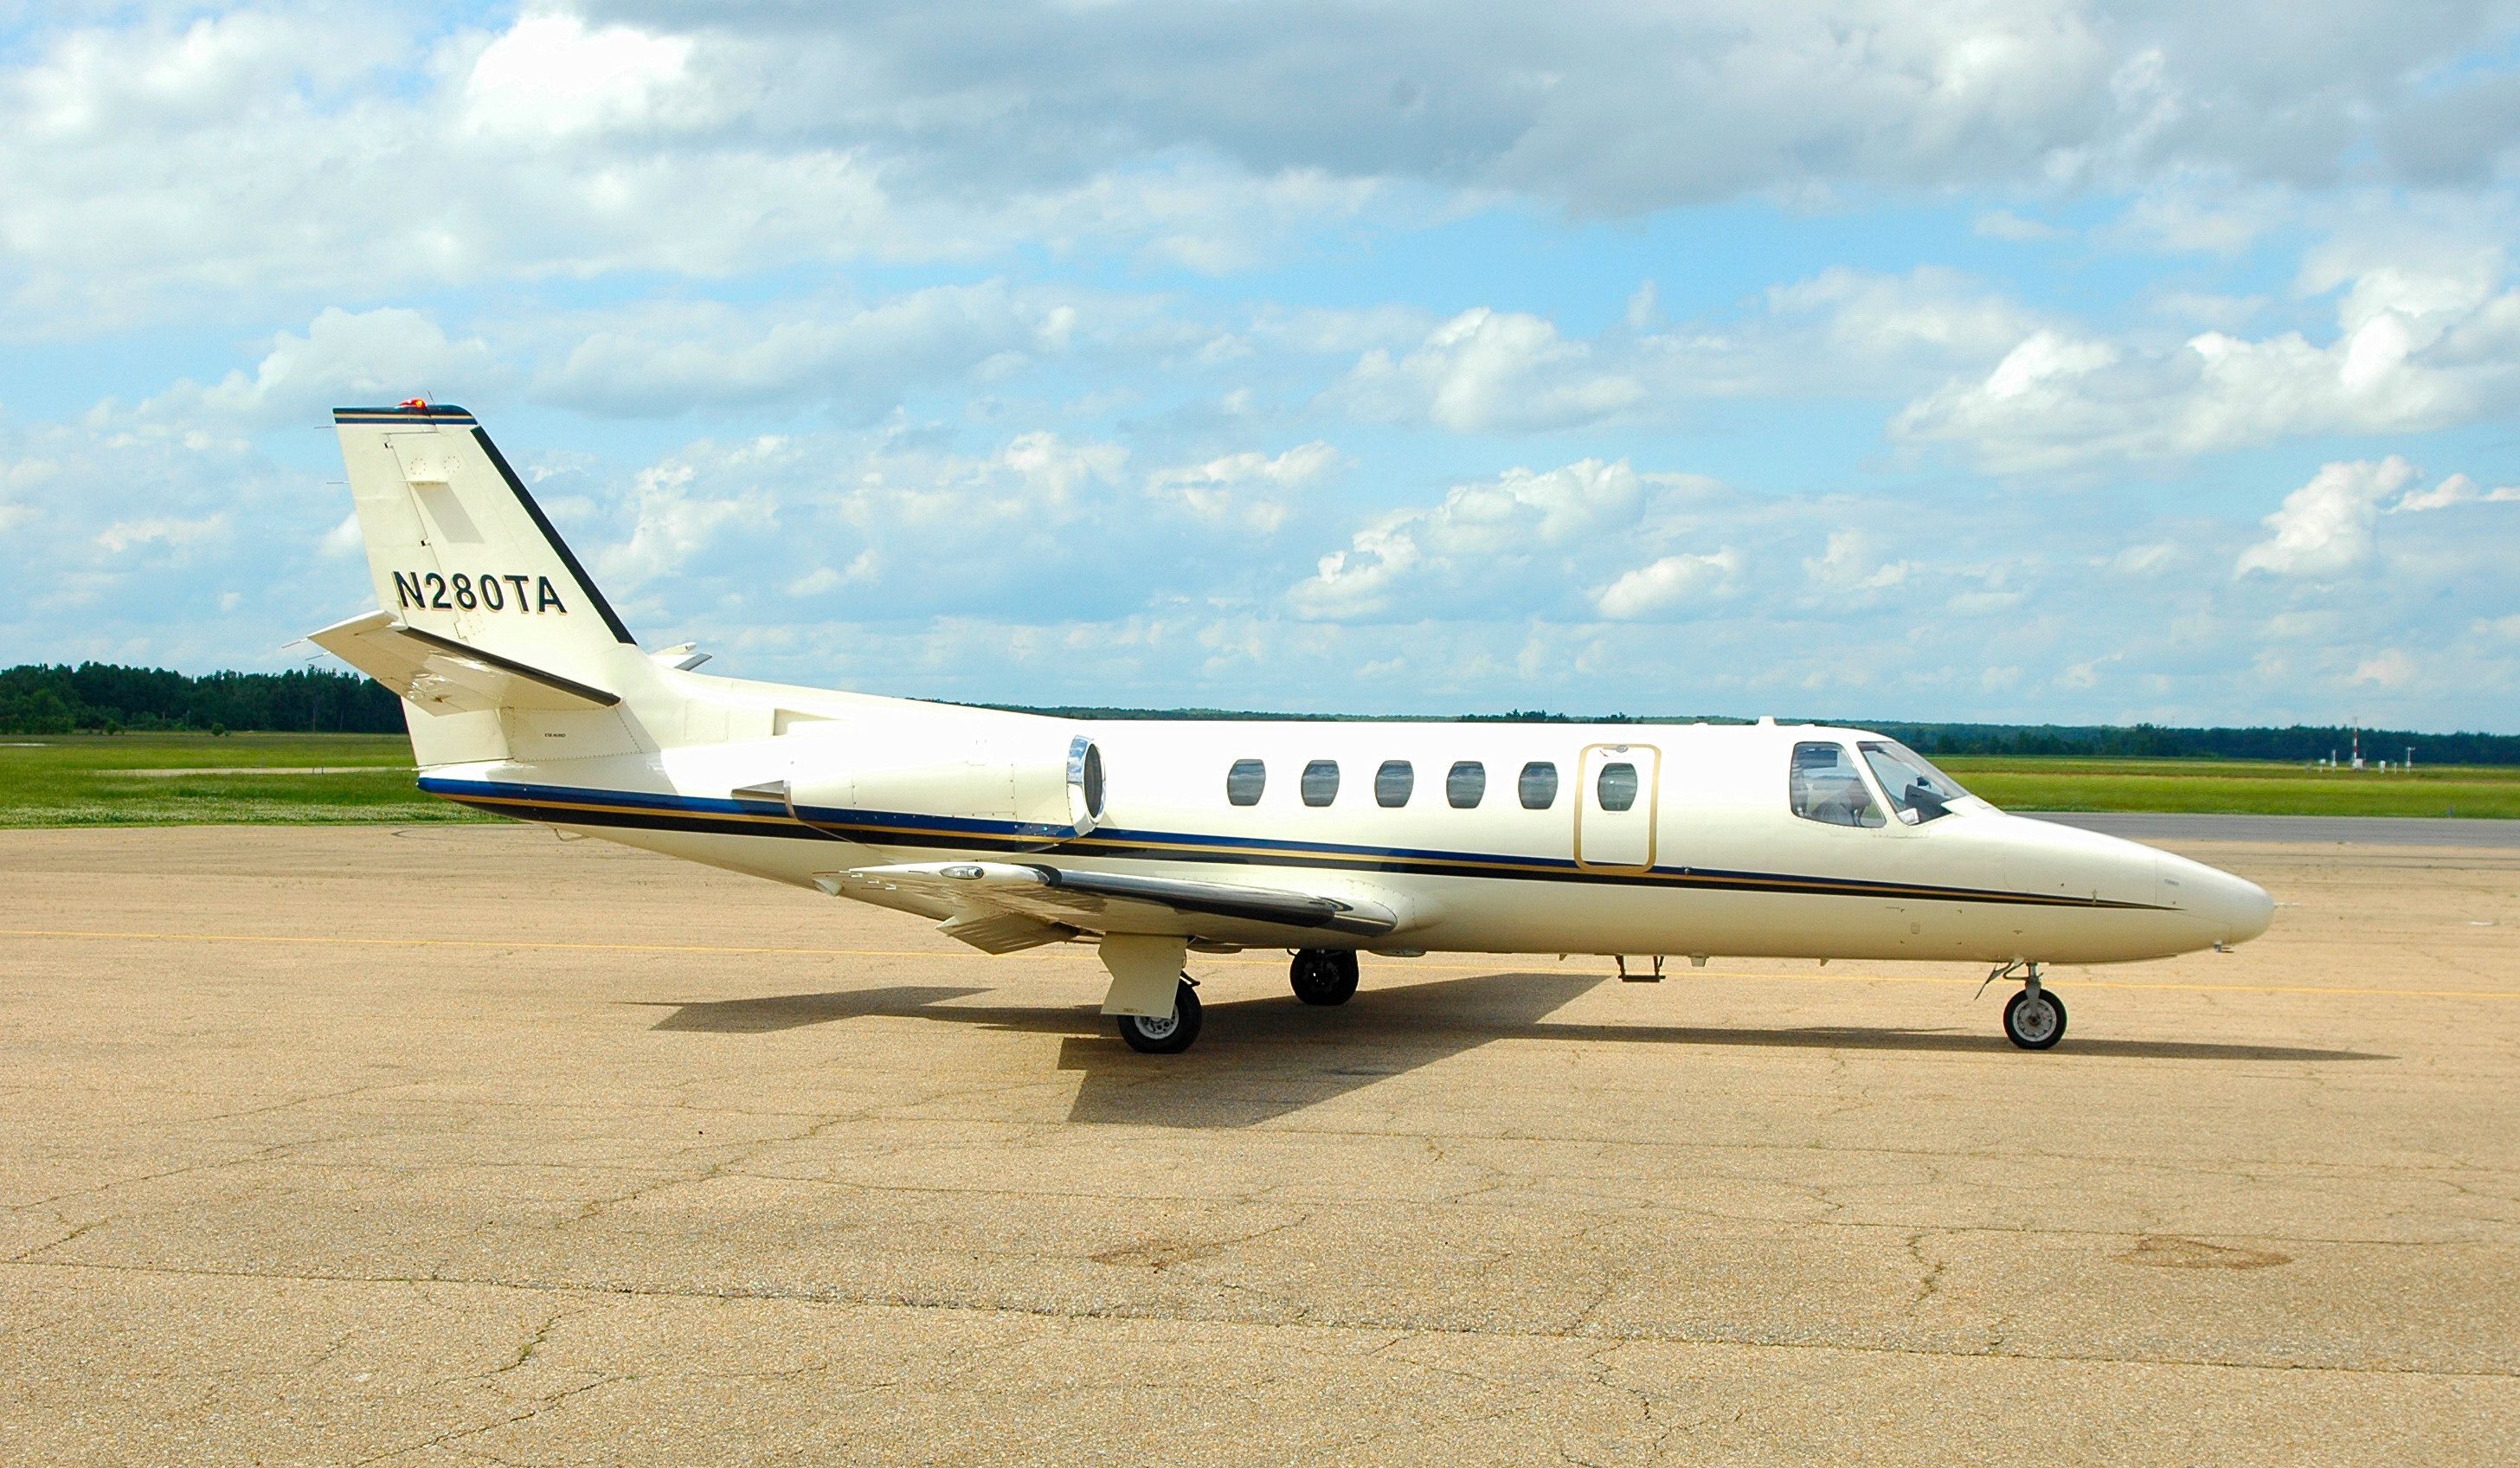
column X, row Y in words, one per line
column 574, row 806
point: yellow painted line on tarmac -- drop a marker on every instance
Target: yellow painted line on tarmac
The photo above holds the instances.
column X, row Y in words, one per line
column 483, row 942
column 1676, row 973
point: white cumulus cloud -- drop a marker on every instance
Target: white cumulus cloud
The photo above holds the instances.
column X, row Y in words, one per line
column 551, row 73
column 159, row 530
column 2326, row 526
column 2458, row 489
column 1252, row 487
column 1486, row 370
column 2416, row 348
column 1852, row 563
column 1523, row 536
column 1668, row 585
column 675, row 519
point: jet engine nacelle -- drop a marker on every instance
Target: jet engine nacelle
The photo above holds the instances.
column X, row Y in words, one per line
column 1049, row 788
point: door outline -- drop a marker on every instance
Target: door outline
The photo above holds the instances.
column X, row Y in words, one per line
column 1587, row 791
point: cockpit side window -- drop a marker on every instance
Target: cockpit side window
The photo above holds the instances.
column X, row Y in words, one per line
column 1918, row 791
column 1826, row 786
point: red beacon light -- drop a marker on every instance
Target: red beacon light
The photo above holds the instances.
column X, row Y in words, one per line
column 415, row 404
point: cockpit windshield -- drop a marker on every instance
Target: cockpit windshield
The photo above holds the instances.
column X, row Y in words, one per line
column 1918, row 791
column 1826, row 787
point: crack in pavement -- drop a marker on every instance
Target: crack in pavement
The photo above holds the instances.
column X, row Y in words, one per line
column 908, row 1302
column 532, row 1344
column 457, row 1435
column 1929, row 1282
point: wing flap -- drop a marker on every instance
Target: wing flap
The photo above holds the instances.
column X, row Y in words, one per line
column 1074, row 899
column 443, row 675
column 993, row 931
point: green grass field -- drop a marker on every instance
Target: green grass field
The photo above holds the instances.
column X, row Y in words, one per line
column 2237, row 788
column 274, row 779
column 236, row 779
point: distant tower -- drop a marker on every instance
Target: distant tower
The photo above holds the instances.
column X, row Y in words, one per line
column 2357, row 746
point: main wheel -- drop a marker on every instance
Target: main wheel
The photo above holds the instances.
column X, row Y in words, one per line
column 1324, row 975
column 1153, row 1037
column 2034, row 1022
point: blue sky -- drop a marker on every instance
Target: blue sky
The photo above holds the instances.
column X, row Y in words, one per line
column 2011, row 360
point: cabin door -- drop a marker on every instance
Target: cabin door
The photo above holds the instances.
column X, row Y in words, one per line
column 1615, row 800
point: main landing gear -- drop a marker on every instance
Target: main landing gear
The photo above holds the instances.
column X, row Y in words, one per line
column 1324, row 975
column 2034, row 1018
column 1150, row 1035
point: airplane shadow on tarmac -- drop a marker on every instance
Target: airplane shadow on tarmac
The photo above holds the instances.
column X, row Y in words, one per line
column 1257, row 1058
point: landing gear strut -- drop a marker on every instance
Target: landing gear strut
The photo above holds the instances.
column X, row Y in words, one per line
column 2034, row 1018
column 1150, row 1035
column 1324, row 975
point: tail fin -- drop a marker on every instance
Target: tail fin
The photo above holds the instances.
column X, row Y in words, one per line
column 459, row 548
column 464, row 560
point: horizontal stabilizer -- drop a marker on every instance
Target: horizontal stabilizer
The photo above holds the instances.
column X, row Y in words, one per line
column 443, row 675
column 1110, row 901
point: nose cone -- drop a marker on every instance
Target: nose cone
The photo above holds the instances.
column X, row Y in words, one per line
column 2231, row 909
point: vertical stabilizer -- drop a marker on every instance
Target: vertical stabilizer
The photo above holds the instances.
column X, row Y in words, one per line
column 459, row 548
column 461, row 553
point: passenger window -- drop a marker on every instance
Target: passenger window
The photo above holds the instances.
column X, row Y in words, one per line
column 1617, row 786
column 1538, row 785
column 1466, row 785
column 1826, row 787
column 1245, row 782
column 1321, row 782
column 1393, row 782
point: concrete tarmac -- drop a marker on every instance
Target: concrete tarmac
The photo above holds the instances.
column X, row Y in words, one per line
column 2179, row 828
column 465, row 1146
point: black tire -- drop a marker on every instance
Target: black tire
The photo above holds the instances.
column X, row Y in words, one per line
column 1324, row 975
column 1151, row 1036
column 2036, row 1027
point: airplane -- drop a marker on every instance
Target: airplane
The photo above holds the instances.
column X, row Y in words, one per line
column 1154, row 840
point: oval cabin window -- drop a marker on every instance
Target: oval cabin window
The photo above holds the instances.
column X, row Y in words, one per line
column 1538, row 785
column 1245, row 782
column 1617, row 786
column 1393, row 782
column 1321, row 782
column 1466, row 785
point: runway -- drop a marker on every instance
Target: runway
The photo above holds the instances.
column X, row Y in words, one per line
column 2169, row 828
column 461, row 1145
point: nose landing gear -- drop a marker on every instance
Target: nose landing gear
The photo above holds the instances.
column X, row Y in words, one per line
column 1324, row 975
column 2034, row 1018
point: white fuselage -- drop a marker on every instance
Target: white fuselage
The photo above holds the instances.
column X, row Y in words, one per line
column 1707, row 858
column 528, row 695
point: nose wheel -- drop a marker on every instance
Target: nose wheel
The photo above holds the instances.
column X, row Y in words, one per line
column 2034, row 1018
column 1324, row 975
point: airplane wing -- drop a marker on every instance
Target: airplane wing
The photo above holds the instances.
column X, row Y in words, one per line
column 1001, row 906
column 441, row 673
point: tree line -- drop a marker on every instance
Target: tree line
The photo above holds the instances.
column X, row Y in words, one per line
column 2299, row 744
column 107, row 697
column 104, row 696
